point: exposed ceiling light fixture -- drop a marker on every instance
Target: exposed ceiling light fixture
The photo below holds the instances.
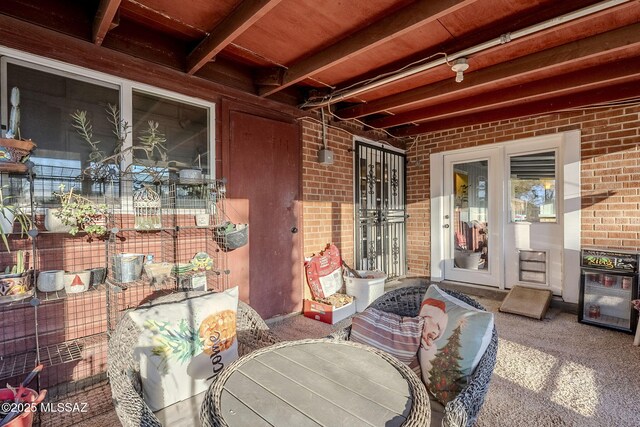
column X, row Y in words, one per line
column 355, row 90
column 459, row 67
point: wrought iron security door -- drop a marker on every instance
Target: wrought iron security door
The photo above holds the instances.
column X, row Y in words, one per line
column 380, row 207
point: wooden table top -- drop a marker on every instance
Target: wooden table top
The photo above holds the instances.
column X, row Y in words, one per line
column 316, row 383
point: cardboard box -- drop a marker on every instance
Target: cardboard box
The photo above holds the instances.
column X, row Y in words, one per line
column 327, row 313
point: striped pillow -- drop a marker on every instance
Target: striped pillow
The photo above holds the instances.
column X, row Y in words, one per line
column 399, row 336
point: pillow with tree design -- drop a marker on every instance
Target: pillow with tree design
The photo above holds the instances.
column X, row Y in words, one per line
column 454, row 338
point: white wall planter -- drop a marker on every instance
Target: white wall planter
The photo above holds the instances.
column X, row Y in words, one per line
column 51, row 281
column 77, row 281
column 53, row 223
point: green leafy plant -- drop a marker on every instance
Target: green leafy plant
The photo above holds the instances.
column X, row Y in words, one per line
column 19, row 267
column 81, row 214
column 102, row 166
column 8, row 210
column 152, row 140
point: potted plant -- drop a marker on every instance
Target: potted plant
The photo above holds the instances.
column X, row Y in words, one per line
column 81, row 214
column 15, row 283
column 230, row 236
column 102, row 167
column 14, row 151
column 19, row 404
column 10, row 214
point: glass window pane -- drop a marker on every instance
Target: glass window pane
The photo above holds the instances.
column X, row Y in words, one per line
column 184, row 126
column 533, row 187
column 47, row 102
column 470, row 214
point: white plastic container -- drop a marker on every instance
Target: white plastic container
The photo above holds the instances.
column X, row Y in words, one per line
column 366, row 290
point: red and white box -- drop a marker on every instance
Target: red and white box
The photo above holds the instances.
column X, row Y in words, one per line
column 324, row 272
column 324, row 276
column 327, row 313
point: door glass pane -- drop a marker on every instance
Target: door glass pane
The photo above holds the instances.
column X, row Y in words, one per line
column 470, row 215
column 533, row 187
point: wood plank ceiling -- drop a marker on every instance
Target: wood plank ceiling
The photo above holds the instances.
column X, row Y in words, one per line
column 387, row 63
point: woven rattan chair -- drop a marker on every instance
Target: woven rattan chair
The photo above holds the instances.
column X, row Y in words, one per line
column 124, row 372
column 463, row 410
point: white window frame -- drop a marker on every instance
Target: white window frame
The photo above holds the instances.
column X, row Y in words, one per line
column 125, row 87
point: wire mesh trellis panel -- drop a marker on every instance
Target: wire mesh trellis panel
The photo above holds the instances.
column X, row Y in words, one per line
column 66, row 328
column 63, row 325
column 179, row 254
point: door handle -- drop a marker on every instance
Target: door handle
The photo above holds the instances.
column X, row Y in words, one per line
column 445, row 226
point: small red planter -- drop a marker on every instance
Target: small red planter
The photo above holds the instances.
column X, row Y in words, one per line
column 26, row 418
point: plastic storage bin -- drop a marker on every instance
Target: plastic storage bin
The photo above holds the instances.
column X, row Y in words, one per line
column 366, row 290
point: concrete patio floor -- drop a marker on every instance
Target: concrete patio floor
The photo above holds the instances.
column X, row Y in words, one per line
column 98, row 397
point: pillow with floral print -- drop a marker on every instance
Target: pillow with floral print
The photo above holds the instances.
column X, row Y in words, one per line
column 183, row 345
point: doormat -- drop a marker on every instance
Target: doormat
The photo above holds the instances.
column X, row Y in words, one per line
column 527, row 302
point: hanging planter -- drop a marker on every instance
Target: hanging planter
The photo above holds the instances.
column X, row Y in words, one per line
column 14, row 151
column 13, row 154
column 146, row 207
column 231, row 236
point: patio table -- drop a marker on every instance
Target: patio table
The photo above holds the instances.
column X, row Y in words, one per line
column 316, row 382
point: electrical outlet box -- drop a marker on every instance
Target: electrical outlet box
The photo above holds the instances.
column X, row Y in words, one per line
column 325, row 157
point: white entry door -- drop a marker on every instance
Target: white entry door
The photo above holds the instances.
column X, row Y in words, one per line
column 509, row 214
column 471, row 226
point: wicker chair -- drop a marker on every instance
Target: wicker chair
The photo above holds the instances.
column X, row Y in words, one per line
column 463, row 410
column 124, row 372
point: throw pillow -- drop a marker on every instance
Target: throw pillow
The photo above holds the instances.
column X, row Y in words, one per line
column 394, row 334
column 454, row 338
column 184, row 345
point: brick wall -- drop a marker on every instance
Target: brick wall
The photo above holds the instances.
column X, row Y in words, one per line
column 327, row 190
column 610, row 173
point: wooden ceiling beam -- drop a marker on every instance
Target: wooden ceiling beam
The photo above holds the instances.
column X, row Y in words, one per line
column 24, row 36
column 238, row 21
column 601, row 75
column 618, row 92
column 397, row 24
column 611, row 45
column 104, row 19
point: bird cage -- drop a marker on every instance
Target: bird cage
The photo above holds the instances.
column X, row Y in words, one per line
column 146, row 206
